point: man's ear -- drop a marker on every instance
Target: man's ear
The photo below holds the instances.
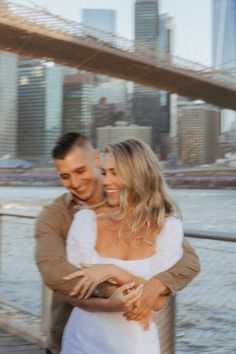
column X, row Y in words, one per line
column 98, row 159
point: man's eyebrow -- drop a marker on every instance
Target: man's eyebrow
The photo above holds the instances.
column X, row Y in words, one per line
column 76, row 169
column 79, row 168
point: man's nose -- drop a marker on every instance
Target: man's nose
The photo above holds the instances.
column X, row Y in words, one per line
column 74, row 181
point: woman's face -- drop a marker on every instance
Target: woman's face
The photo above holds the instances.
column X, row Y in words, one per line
column 111, row 181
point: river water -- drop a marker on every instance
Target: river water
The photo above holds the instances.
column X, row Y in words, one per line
column 206, row 309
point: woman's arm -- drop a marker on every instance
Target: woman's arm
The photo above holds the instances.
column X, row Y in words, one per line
column 92, row 275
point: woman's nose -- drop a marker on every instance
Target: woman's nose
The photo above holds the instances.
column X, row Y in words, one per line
column 106, row 180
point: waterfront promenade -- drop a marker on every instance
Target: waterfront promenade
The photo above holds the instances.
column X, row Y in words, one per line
column 11, row 344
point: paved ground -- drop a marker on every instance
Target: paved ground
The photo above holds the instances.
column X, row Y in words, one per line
column 10, row 344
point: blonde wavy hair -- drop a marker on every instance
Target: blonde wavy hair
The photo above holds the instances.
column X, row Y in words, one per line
column 145, row 188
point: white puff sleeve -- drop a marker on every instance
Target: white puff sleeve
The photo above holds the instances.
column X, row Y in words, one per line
column 169, row 248
column 81, row 239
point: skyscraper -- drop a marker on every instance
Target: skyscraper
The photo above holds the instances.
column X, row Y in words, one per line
column 121, row 130
column 224, row 33
column 109, row 95
column 152, row 107
column 224, row 45
column 8, row 104
column 198, row 132
column 39, row 108
column 165, row 48
column 77, row 103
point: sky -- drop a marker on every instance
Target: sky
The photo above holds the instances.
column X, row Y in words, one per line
column 192, row 21
column 192, row 28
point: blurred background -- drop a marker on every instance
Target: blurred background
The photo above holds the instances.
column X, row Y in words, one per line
column 193, row 135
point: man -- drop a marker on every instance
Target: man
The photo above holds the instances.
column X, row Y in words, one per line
column 77, row 163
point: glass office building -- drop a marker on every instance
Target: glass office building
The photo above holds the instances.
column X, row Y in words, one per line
column 224, row 47
column 224, row 33
column 8, row 104
column 152, row 107
column 40, row 94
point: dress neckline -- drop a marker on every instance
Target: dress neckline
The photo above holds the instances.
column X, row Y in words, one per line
column 125, row 260
column 112, row 258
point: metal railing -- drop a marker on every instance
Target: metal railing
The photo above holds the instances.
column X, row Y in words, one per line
column 26, row 321
column 206, row 309
column 195, row 304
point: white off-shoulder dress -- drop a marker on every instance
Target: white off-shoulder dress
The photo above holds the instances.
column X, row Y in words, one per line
column 110, row 333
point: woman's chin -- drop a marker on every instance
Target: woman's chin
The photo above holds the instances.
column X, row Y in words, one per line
column 112, row 201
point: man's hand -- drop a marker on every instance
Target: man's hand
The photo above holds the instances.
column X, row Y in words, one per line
column 146, row 320
column 151, row 290
column 125, row 296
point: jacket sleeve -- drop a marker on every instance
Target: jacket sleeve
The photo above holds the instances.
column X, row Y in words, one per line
column 183, row 272
column 50, row 252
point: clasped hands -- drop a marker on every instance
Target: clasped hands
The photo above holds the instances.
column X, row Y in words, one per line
column 136, row 299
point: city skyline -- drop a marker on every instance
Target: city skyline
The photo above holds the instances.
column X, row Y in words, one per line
column 87, row 106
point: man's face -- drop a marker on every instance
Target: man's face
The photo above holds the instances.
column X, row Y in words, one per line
column 79, row 174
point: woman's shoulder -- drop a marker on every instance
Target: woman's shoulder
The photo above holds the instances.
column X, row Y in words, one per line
column 172, row 220
column 83, row 227
column 173, row 226
column 168, row 245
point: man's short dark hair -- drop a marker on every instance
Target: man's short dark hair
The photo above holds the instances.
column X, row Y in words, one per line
column 66, row 142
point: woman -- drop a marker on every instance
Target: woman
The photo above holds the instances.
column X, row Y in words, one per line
column 134, row 238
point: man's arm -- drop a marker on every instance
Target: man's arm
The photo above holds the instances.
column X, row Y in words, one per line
column 174, row 279
column 121, row 299
column 50, row 252
column 183, row 272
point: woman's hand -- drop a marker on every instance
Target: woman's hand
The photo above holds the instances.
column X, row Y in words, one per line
column 125, row 297
column 146, row 320
column 92, row 275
